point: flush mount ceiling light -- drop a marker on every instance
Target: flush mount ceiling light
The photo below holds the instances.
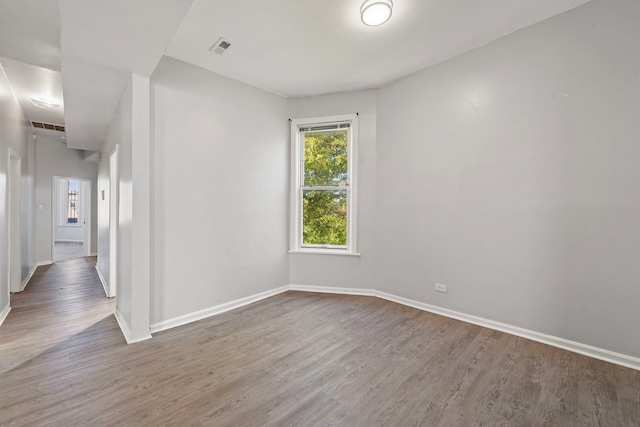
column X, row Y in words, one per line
column 44, row 103
column 376, row 12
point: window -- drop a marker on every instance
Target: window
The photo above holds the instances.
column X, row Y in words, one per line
column 70, row 202
column 323, row 185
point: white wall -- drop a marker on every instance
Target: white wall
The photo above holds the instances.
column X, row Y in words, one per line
column 337, row 270
column 130, row 128
column 510, row 174
column 53, row 158
column 28, row 217
column 220, row 190
column 14, row 134
column 103, row 207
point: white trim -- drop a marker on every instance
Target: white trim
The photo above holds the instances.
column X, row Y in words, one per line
column 212, row 311
column 573, row 346
column 93, row 254
column 576, row 347
column 333, row 290
column 105, row 286
column 295, row 218
column 43, row 263
column 25, row 282
column 4, row 313
column 84, row 211
column 339, row 252
column 126, row 331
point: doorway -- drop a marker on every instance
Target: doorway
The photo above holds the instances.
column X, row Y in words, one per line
column 71, row 218
column 15, row 259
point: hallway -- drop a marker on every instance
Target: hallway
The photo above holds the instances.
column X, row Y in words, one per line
column 62, row 310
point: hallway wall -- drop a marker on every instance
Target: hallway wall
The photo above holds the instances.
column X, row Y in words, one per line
column 14, row 134
column 53, row 158
column 129, row 129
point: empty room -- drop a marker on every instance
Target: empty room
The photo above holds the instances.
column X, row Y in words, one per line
column 314, row 213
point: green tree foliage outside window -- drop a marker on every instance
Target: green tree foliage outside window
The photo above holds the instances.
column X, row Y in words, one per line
column 324, row 211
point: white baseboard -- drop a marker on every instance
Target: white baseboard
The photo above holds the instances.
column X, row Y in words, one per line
column 105, row 285
column 4, row 313
column 128, row 336
column 332, row 290
column 68, row 241
column 576, row 347
column 212, row 311
column 25, row 282
column 93, row 254
column 573, row 346
column 42, row 263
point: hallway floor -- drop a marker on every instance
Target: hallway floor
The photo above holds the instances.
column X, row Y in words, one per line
column 65, row 251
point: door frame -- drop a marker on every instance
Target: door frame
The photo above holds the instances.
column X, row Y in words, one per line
column 114, row 206
column 14, row 229
column 85, row 185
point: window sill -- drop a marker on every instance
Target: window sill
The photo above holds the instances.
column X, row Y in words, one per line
column 324, row 252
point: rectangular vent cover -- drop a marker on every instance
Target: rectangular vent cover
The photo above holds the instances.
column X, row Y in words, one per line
column 48, row 126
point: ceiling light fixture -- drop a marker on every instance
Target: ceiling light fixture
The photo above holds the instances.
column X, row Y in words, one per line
column 376, row 12
column 44, row 103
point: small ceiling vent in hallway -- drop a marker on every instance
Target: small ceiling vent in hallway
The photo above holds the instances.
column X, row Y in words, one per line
column 220, row 46
column 48, row 126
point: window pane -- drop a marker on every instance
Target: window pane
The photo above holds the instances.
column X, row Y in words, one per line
column 325, row 158
column 72, row 202
column 324, row 217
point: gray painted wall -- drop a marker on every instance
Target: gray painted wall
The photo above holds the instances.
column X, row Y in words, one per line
column 337, row 270
column 220, row 190
column 510, row 174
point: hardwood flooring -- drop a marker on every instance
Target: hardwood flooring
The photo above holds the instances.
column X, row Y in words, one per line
column 65, row 251
column 294, row 359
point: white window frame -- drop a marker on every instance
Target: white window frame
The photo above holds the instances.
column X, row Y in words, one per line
column 295, row 244
column 63, row 216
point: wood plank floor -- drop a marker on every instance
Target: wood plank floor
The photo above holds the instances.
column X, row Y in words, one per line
column 293, row 359
column 65, row 251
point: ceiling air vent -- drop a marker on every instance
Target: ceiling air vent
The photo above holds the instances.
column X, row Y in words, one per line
column 48, row 126
column 220, row 46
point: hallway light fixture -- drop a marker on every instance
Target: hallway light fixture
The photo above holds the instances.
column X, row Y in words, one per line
column 44, row 103
column 376, row 12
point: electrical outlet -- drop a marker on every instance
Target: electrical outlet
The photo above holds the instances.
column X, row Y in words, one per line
column 441, row 287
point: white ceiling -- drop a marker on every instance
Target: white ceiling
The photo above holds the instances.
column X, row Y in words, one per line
column 120, row 34
column 101, row 43
column 29, row 81
column 91, row 93
column 30, row 32
column 298, row 48
column 30, row 46
column 289, row 47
